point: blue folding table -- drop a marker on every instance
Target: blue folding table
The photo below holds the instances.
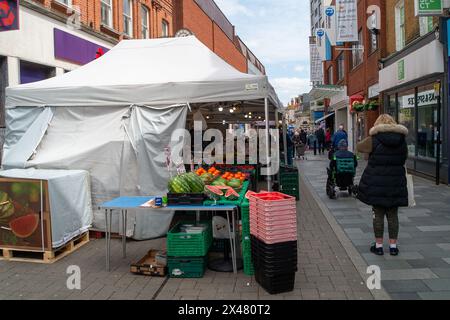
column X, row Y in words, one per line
column 135, row 203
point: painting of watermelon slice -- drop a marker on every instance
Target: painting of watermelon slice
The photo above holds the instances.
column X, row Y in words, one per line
column 24, row 227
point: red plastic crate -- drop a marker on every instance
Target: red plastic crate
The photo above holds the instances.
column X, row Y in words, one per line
column 272, row 199
column 275, row 239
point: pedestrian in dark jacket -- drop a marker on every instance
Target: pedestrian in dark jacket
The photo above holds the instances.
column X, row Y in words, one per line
column 320, row 134
column 383, row 184
column 338, row 136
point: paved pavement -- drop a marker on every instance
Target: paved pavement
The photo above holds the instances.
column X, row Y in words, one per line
column 325, row 271
column 422, row 270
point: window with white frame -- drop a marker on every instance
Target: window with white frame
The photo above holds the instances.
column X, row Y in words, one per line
column 400, row 32
column 65, row 2
column 144, row 22
column 340, row 67
column 106, row 12
column 358, row 51
column 128, row 17
column 165, row 29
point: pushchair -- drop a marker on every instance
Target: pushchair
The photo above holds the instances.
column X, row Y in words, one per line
column 300, row 150
column 341, row 174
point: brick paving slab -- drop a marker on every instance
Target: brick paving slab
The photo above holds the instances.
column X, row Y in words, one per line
column 424, row 234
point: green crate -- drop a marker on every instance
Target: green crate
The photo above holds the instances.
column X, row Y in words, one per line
column 187, row 267
column 181, row 244
column 247, row 256
column 288, row 178
column 292, row 193
column 224, row 201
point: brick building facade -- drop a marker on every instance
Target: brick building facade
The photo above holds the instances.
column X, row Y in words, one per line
column 207, row 22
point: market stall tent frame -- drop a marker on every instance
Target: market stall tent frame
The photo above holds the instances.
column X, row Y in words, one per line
column 114, row 116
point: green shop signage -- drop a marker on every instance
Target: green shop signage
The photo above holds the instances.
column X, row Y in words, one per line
column 428, row 7
column 401, row 70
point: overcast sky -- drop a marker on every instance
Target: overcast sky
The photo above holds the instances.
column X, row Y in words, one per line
column 277, row 33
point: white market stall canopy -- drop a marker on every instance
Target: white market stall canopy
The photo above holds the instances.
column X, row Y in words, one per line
column 153, row 72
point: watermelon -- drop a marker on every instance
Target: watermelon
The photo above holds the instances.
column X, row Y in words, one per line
column 214, row 193
column 235, row 183
column 24, row 226
column 207, row 178
column 219, row 183
column 179, row 185
column 231, row 194
column 6, row 206
column 195, row 183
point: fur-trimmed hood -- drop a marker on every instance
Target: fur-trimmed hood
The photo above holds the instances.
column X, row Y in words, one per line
column 392, row 128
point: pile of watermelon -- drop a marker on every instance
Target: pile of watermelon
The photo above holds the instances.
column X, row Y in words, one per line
column 186, row 183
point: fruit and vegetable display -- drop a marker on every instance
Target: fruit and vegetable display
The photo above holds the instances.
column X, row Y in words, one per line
column 20, row 205
column 213, row 183
column 214, row 177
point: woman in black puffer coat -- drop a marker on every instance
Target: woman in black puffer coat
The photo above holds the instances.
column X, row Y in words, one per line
column 383, row 184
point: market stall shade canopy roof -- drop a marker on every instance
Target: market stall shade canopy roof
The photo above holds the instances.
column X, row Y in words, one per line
column 154, row 72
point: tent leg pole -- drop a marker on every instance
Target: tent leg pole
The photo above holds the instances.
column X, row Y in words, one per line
column 284, row 140
column 269, row 177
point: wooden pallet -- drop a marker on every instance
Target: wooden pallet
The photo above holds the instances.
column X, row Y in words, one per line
column 23, row 255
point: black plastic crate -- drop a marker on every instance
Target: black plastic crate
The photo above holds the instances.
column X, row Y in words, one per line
column 275, row 264
column 184, row 199
column 276, row 284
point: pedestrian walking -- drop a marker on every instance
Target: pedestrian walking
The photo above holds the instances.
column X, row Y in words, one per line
column 313, row 141
column 328, row 139
column 383, row 184
column 290, row 147
column 338, row 136
column 299, row 146
column 320, row 134
column 303, row 136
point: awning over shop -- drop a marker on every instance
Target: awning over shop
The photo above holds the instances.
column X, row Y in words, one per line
column 325, row 91
column 324, row 118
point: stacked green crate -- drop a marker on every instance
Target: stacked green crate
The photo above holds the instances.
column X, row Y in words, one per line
column 246, row 243
column 187, row 252
column 289, row 181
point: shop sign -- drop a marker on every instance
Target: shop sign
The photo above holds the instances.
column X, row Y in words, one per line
column 428, row 7
column 401, row 70
column 9, row 15
column 425, row 98
column 347, row 20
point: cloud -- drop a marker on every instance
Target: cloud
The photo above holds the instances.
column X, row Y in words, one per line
column 299, row 68
column 289, row 87
column 233, row 7
column 279, row 36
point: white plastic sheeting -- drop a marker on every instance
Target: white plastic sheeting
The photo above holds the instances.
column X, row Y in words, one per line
column 70, row 200
column 122, row 150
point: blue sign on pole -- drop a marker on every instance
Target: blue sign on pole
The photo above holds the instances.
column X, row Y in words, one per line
column 320, row 33
column 329, row 11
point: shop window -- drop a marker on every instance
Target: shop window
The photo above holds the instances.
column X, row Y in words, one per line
column 106, row 12
column 144, row 22
column 392, row 106
column 400, row 32
column 165, row 29
column 406, row 117
column 32, row 72
column 427, row 122
column 128, row 17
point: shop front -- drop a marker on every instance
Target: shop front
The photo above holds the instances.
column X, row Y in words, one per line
column 415, row 103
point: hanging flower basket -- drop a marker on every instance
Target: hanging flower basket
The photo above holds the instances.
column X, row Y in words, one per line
column 371, row 105
column 358, row 107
